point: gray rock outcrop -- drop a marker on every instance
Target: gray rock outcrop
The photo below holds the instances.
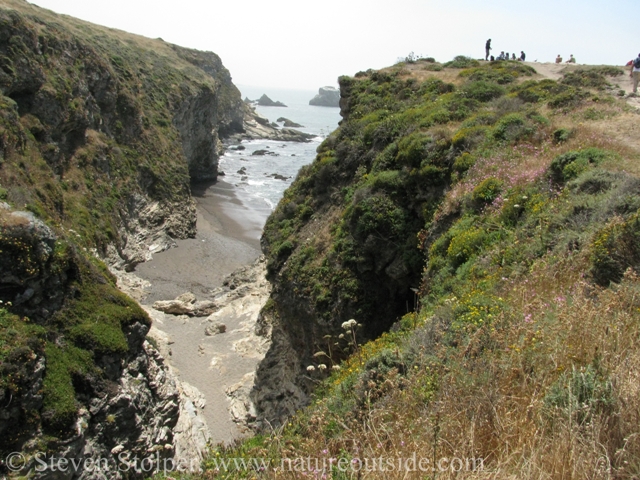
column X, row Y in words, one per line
column 288, row 123
column 326, row 97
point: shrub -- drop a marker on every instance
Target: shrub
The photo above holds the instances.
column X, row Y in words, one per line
column 412, row 149
column 464, row 162
column 561, row 135
column 433, row 67
column 460, row 61
column 511, row 127
column 469, row 138
column 581, row 393
column 487, row 191
column 483, row 91
column 590, row 78
column 569, row 165
column 557, row 94
column 378, row 215
column 464, row 245
column 615, row 248
column 388, row 181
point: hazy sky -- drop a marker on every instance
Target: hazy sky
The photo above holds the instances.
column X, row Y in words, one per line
column 306, row 45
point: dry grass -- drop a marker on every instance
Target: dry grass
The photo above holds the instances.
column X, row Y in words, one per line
column 490, row 401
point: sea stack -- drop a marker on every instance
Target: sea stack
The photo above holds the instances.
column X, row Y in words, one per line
column 326, row 97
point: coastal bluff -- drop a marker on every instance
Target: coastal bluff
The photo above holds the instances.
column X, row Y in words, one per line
column 103, row 135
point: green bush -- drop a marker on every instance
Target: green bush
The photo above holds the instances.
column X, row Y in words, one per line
column 591, row 77
column 511, row 127
column 465, row 244
column 498, row 72
column 556, row 94
column 389, row 181
column 460, row 61
column 571, row 164
column 487, row 191
column 469, row 138
column 615, row 248
column 464, row 162
column 483, row 91
column 412, row 149
column 561, row 135
column 378, row 215
column 581, row 393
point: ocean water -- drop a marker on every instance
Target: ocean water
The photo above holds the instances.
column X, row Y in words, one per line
column 257, row 180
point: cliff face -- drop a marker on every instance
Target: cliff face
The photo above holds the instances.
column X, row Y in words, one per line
column 101, row 134
column 114, row 127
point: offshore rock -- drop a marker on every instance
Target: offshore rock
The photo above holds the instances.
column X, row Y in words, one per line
column 265, row 101
column 326, row 97
column 289, row 123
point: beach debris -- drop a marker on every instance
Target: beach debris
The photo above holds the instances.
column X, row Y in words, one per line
column 186, row 304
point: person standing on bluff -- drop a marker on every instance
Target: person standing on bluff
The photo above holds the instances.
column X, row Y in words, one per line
column 635, row 73
column 487, row 49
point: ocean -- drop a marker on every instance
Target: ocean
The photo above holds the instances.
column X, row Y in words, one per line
column 253, row 175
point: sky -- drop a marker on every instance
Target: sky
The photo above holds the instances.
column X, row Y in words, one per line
column 295, row 44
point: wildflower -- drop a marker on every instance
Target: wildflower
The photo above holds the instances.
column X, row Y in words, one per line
column 349, row 324
column 311, row 368
column 335, row 367
column 322, row 367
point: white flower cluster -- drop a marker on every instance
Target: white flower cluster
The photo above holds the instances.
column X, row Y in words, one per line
column 349, row 324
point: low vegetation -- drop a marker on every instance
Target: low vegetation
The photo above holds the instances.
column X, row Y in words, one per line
column 515, row 217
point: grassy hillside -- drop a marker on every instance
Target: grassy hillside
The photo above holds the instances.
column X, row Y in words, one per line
column 101, row 133
column 511, row 204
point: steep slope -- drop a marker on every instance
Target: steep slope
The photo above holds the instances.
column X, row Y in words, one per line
column 483, row 218
column 101, row 134
column 115, row 127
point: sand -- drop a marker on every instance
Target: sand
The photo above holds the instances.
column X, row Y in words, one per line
column 228, row 233
column 228, row 237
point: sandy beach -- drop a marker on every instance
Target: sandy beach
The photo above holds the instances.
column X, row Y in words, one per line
column 229, row 230
column 228, row 237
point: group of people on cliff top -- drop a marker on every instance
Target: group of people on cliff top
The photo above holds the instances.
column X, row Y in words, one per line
column 503, row 55
column 522, row 57
column 571, row 59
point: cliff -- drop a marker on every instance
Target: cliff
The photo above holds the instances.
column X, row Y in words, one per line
column 101, row 134
column 455, row 275
column 115, row 128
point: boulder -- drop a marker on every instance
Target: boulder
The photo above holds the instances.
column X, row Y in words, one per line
column 215, row 328
column 326, row 97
